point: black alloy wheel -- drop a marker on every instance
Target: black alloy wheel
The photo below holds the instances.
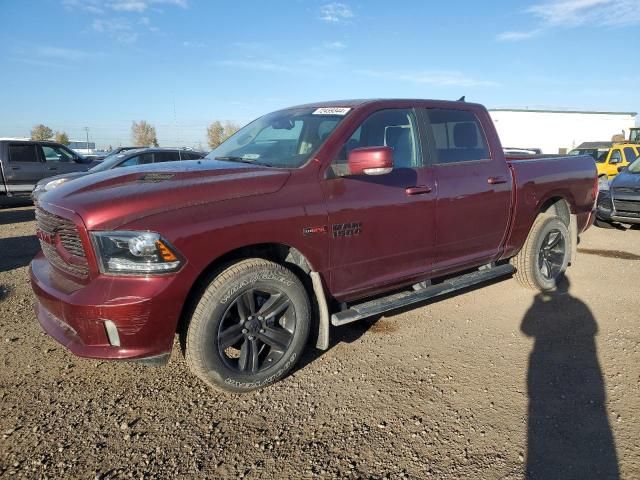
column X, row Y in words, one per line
column 256, row 330
column 551, row 257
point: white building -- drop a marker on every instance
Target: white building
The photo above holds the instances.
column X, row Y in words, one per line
column 556, row 130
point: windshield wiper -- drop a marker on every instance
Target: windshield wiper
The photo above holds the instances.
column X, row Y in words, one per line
column 242, row 160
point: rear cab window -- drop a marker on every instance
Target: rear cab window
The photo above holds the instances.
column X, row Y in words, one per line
column 23, row 153
column 456, row 135
column 630, row 154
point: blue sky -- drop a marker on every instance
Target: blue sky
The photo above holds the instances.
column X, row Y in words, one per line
column 181, row 64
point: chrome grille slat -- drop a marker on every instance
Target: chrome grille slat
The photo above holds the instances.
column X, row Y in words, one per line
column 67, row 231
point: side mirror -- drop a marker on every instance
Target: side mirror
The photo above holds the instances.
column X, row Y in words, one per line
column 620, row 169
column 370, row 160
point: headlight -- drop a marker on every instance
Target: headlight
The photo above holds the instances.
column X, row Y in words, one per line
column 53, row 184
column 134, row 252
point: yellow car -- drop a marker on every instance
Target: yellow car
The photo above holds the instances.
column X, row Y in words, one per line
column 620, row 155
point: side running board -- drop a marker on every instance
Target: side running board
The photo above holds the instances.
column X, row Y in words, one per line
column 397, row 300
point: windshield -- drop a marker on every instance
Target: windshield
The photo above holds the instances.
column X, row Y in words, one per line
column 108, row 163
column 634, row 167
column 285, row 139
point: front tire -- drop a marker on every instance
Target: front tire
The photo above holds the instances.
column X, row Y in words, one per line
column 545, row 254
column 249, row 328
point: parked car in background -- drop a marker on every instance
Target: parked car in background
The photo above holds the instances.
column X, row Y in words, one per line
column 521, row 151
column 23, row 163
column 597, row 150
column 619, row 155
column 621, row 202
column 343, row 210
column 126, row 158
column 97, row 158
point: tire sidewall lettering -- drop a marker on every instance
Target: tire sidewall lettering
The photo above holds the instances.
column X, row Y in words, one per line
column 251, row 280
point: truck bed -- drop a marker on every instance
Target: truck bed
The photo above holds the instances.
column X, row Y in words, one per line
column 539, row 180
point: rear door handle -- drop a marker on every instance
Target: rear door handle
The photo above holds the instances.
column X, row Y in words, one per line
column 496, row 180
column 52, row 168
column 417, row 190
column 15, row 168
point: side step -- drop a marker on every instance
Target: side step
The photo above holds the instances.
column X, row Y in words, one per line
column 401, row 299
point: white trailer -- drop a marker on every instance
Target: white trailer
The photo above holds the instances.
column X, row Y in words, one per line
column 558, row 131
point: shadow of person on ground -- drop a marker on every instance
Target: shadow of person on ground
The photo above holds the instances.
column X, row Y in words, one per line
column 16, row 252
column 569, row 436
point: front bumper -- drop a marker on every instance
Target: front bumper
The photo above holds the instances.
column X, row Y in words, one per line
column 144, row 310
column 610, row 215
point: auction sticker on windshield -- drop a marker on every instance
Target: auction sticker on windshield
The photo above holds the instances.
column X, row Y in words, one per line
column 332, row 111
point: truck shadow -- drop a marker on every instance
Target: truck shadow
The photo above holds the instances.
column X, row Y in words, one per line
column 351, row 332
column 8, row 216
column 568, row 434
column 17, row 252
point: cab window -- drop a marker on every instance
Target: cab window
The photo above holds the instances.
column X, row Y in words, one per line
column 457, row 135
column 629, row 154
column 23, row 153
column 395, row 128
column 616, row 157
column 137, row 160
column 56, row 154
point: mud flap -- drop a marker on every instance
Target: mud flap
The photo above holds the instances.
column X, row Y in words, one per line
column 573, row 231
column 322, row 342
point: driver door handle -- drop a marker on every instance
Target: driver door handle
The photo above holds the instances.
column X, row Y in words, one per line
column 417, row 190
column 496, row 180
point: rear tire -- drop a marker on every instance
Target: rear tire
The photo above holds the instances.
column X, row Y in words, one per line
column 545, row 254
column 249, row 328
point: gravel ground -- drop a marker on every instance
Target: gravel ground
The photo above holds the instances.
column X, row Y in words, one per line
column 494, row 383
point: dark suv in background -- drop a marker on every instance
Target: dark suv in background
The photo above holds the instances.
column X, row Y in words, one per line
column 23, row 163
column 127, row 158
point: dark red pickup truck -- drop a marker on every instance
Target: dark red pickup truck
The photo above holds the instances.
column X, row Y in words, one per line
column 309, row 216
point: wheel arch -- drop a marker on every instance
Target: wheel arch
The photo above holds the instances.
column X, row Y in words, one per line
column 558, row 205
column 280, row 253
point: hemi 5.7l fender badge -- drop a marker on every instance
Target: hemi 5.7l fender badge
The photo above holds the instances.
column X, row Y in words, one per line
column 314, row 230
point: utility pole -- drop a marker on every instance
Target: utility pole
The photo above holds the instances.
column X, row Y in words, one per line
column 86, row 129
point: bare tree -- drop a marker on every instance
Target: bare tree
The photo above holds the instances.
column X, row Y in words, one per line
column 41, row 132
column 62, row 137
column 143, row 134
column 218, row 133
column 230, row 128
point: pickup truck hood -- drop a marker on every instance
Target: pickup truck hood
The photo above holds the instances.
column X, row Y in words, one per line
column 109, row 199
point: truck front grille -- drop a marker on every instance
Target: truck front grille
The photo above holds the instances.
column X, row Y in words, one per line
column 57, row 228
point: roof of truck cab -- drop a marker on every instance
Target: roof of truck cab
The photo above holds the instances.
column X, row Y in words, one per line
column 353, row 103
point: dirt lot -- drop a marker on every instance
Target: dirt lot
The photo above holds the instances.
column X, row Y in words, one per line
column 493, row 383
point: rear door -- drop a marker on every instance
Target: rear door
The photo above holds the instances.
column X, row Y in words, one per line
column 24, row 167
column 474, row 189
column 381, row 226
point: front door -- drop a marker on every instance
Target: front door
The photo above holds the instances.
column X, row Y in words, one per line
column 59, row 160
column 381, row 226
column 474, row 190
